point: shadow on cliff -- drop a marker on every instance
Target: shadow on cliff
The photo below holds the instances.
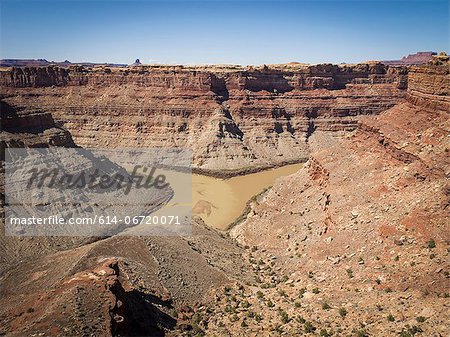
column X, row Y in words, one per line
column 137, row 314
column 14, row 122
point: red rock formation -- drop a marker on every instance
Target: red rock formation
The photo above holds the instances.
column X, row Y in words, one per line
column 231, row 117
column 421, row 57
column 367, row 209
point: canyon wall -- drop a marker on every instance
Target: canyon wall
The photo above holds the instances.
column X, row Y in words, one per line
column 234, row 118
column 429, row 87
column 367, row 219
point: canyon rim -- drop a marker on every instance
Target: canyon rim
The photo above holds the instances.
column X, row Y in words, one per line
column 302, row 199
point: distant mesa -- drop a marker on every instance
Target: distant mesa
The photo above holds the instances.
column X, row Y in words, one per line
column 136, row 63
column 421, row 57
column 412, row 59
column 45, row 63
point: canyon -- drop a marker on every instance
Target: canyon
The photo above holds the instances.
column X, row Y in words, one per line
column 355, row 242
column 249, row 117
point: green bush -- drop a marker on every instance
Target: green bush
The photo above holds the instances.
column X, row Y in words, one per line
column 309, row 327
column 410, row 331
column 350, row 273
column 301, row 292
column 246, row 304
column 284, row 316
column 325, row 306
column 342, row 312
column 281, row 292
column 324, row 333
column 431, row 244
column 361, row 333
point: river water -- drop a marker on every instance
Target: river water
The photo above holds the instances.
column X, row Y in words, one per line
column 219, row 202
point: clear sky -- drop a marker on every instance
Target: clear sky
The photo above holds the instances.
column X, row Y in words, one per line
column 213, row 31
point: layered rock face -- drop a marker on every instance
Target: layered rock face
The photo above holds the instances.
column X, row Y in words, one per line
column 232, row 117
column 429, row 87
column 31, row 129
column 370, row 214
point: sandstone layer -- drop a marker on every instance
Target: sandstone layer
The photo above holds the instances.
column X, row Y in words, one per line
column 233, row 118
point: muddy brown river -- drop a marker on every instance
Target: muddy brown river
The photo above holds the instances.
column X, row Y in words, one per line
column 219, row 202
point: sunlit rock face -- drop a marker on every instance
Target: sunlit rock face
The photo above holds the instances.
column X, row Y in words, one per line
column 231, row 117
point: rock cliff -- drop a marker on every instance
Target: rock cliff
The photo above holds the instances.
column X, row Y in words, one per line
column 366, row 220
column 232, row 117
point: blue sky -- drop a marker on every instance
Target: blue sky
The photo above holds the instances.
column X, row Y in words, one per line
column 238, row 32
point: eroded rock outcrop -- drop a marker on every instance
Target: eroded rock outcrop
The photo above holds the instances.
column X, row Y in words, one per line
column 231, row 117
column 366, row 220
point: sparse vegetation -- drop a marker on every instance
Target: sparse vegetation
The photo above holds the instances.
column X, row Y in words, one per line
column 391, row 318
column 361, row 333
column 350, row 273
column 410, row 331
column 301, row 292
column 284, row 316
column 431, row 244
column 324, row 333
column 282, row 293
column 342, row 312
column 309, row 327
column 245, row 304
column 325, row 306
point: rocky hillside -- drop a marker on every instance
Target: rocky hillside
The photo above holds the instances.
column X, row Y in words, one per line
column 364, row 227
column 233, row 117
column 116, row 286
